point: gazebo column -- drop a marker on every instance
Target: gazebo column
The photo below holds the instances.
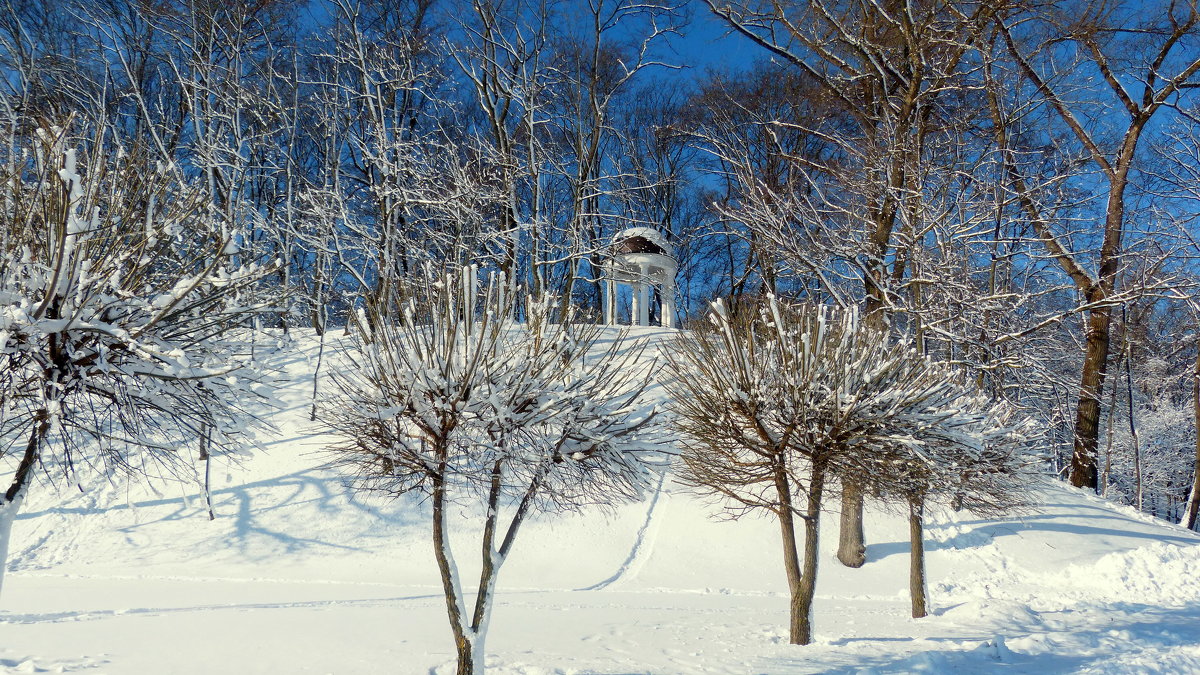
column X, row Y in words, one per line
column 643, row 292
column 635, row 304
column 610, row 298
column 668, row 300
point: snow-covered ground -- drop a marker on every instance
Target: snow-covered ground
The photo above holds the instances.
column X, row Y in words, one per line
column 297, row 575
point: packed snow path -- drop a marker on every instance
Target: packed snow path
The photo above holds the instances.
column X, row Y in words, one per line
column 296, row 575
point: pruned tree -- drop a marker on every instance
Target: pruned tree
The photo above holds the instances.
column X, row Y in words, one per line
column 771, row 407
column 116, row 316
column 470, row 409
column 750, row 433
column 886, row 76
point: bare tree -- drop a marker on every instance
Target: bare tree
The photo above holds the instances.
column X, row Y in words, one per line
column 1181, row 151
column 752, row 130
column 1145, row 65
column 504, row 57
column 751, row 432
column 602, row 52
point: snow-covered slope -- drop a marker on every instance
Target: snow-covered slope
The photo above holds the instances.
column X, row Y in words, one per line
column 298, row 575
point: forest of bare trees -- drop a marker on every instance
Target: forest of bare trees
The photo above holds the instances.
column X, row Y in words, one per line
column 1012, row 187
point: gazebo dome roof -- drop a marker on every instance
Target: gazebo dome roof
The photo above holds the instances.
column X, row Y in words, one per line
column 642, row 240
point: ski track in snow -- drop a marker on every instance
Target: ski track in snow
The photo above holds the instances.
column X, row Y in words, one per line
column 643, row 544
column 298, row 575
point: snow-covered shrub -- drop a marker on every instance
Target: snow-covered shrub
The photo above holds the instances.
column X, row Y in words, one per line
column 116, row 302
column 472, row 408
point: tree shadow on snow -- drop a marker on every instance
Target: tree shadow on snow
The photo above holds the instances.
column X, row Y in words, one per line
column 98, row 615
column 877, row 552
column 985, row 532
column 1074, row 511
column 1115, row 637
column 287, row 512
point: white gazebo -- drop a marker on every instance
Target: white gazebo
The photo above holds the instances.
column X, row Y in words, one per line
column 641, row 258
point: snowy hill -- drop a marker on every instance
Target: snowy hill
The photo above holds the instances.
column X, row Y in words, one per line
column 297, row 575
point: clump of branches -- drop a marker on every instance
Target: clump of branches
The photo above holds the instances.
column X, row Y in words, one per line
column 118, row 303
column 461, row 405
column 773, row 407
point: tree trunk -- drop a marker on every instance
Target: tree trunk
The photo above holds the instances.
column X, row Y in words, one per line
column 916, row 570
column 798, row 623
column 852, row 540
column 463, row 643
column 312, row 413
column 1133, row 435
column 1105, row 479
column 1087, row 417
column 212, row 515
column 206, row 455
column 10, row 501
column 812, row 525
column 1095, row 361
column 8, row 514
column 465, row 652
column 852, row 548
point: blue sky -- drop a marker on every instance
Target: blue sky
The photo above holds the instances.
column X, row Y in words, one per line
column 706, row 43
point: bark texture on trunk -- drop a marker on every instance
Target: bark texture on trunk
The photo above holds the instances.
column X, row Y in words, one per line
column 799, row 632
column 852, row 539
column 1084, row 462
column 466, row 657
column 812, row 525
column 852, row 547
column 464, row 645
column 916, row 569
column 1096, row 351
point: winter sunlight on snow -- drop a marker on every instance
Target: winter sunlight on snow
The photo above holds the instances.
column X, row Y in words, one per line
column 599, row 337
column 296, row 574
